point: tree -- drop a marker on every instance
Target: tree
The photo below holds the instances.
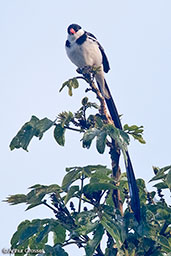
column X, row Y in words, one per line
column 93, row 201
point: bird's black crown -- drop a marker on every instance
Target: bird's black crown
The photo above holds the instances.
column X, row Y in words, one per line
column 76, row 27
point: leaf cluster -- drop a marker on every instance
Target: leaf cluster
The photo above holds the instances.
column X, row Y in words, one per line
column 135, row 131
column 163, row 175
column 85, row 214
column 83, row 206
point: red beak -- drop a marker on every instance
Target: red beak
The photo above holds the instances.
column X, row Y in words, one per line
column 72, row 31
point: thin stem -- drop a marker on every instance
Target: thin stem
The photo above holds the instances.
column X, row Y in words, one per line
column 80, row 199
column 81, row 77
column 73, row 129
column 165, row 225
column 74, row 242
column 50, row 207
column 86, row 201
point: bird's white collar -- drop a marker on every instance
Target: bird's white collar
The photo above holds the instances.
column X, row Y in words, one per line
column 75, row 36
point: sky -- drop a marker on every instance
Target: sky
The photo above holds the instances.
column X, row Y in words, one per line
column 33, row 65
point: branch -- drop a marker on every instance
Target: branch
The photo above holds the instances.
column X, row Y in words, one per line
column 73, row 129
column 50, row 207
column 88, row 75
column 80, row 242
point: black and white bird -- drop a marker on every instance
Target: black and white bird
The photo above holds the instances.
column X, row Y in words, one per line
column 83, row 49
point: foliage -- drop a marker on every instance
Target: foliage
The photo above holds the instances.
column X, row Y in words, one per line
column 85, row 213
column 83, row 205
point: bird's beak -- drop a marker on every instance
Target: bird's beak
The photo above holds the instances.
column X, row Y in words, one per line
column 72, row 31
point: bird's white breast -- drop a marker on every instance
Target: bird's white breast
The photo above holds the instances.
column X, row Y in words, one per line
column 86, row 54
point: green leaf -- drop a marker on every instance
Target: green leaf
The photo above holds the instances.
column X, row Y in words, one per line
column 163, row 214
column 124, row 136
column 168, row 179
column 42, row 126
column 35, row 196
column 87, row 228
column 92, row 104
column 34, row 127
column 88, row 136
column 84, row 101
column 37, row 186
column 70, row 89
column 33, row 205
column 90, row 188
column 101, row 142
column 71, row 193
column 70, row 177
column 161, row 185
column 113, row 230
column 25, row 134
column 115, row 134
column 166, row 168
column 164, row 243
column 160, row 173
column 135, row 131
column 63, row 85
column 29, row 231
column 71, row 83
column 59, row 234
column 57, row 250
column 15, row 238
column 16, row 199
column 85, row 217
column 139, row 138
column 24, row 231
column 89, row 170
column 75, row 83
column 65, row 118
column 93, row 243
column 159, row 176
column 53, row 188
column 101, row 175
column 59, row 134
column 42, row 234
column 99, row 122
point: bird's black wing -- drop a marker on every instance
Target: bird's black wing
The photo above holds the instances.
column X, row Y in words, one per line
column 105, row 61
column 91, row 36
column 106, row 66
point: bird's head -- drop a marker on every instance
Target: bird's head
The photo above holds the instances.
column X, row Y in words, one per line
column 74, row 32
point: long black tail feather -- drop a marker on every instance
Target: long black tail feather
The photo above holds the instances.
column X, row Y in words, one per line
column 133, row 189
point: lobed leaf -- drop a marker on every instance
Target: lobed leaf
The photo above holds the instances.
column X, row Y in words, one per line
column 34, row 127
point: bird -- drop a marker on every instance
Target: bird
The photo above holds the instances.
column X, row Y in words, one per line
column 83, row 49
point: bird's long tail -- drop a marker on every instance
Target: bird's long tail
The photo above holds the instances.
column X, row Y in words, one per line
column 133, row 189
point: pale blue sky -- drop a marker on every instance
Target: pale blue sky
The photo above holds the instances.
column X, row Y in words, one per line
column 33, row 64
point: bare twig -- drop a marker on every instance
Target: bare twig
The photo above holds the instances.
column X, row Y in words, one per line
column 73, row 129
